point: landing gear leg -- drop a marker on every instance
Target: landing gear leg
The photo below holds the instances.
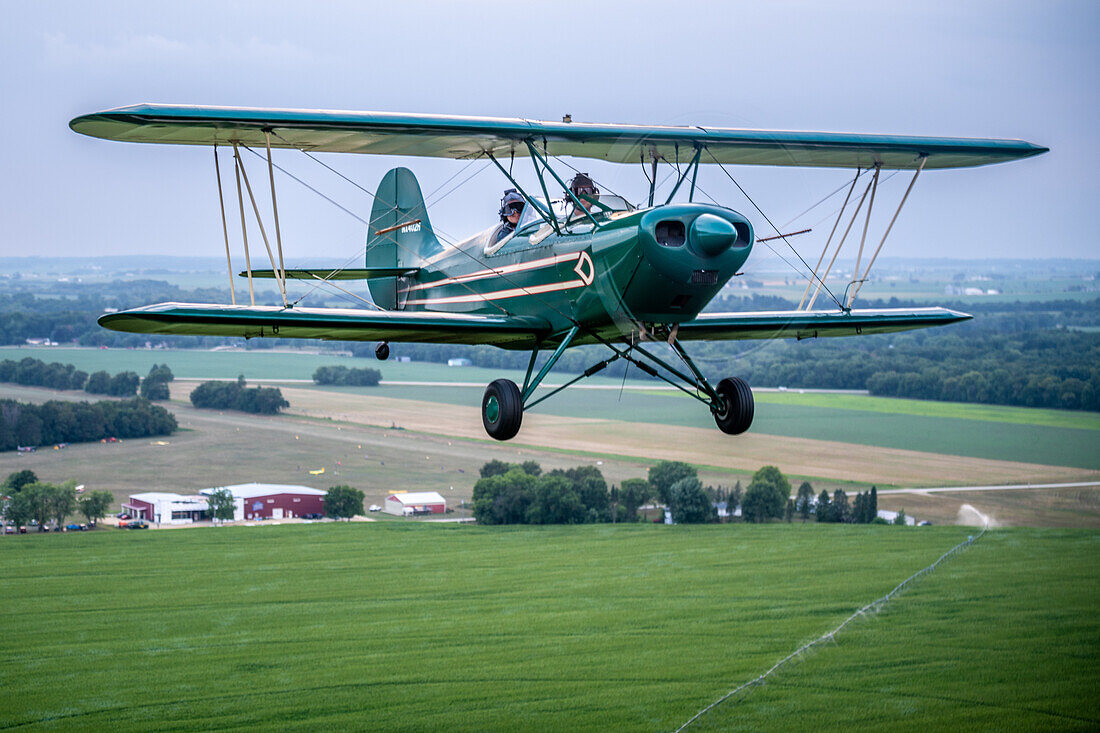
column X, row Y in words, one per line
column 502, row 409
column 735, row 410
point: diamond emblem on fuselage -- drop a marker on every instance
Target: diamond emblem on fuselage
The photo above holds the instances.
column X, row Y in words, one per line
column 584, row 268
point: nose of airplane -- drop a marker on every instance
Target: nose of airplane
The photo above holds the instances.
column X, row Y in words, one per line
column 712, row 235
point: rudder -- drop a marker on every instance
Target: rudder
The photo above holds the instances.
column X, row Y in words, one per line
column 399, row 233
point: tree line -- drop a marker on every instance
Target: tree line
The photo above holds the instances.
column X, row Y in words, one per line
column 520, row 493
column 349, row 377
column 53, row 422
column 26, row 499
column 238, row 396
column 33, row 372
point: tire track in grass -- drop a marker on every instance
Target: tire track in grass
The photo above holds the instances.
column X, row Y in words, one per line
column 873, row 606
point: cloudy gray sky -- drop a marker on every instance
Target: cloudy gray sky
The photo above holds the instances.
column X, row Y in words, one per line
column 983, row 69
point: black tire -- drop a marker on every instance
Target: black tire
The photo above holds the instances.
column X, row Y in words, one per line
column 383, row 351
column 738, row 408
column 502, row 409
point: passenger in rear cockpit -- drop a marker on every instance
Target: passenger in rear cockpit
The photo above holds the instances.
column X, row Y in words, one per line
column 511, row 207
column 584, row 188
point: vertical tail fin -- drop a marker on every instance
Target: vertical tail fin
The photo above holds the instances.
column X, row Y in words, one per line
column 399, row 233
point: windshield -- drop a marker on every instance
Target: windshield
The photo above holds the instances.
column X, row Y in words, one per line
column 563, row 209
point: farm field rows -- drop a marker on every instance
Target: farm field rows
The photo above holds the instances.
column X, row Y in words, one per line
column 628, row 627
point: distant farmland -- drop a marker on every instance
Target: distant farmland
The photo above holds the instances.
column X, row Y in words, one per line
column 415, row 627
column 1048, row 437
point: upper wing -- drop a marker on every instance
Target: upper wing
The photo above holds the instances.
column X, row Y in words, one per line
column 387, row 133
column 335, row 324
column 812, row 324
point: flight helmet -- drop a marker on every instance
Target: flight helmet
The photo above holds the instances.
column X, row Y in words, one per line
column 512, row 201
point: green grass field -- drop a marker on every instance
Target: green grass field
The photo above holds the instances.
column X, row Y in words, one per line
column 414, row 627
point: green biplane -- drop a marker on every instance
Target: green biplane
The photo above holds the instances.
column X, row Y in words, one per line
column 579, row 268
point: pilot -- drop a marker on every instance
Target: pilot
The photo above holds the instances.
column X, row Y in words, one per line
column 582, row 185
column 511, row 207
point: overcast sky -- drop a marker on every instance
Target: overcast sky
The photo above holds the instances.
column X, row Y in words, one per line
column 1025, row 70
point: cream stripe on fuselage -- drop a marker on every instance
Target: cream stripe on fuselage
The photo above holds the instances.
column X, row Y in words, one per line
column 497, row 271
column 501, row 294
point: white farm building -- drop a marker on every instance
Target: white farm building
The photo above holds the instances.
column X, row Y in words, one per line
column 420, row 502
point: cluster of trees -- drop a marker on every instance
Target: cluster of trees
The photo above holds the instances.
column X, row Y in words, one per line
column 509, row 493
column 123, row 384
column 837, row 508
column 343, row 502
column 54, row 422
column 221, row 504
column 237, row 396
column 155, row 384
column 26, row 499
column 343, row 376
column 521, row 493
column 37, row 373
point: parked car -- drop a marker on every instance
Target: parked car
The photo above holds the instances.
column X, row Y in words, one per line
column 312, row 515
column 123, row 515
column 375, row 508
column 9, row 529
column 76, row 528
column 135, row 524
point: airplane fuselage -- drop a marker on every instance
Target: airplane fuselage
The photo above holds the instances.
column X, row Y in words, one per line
column 658, row 265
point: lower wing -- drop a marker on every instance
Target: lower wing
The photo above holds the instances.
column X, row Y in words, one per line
column 330, row 324
column 812, row 324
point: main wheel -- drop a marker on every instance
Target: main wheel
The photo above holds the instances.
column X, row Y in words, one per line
column 736, row 411
column 502, row 409
column 382, row 351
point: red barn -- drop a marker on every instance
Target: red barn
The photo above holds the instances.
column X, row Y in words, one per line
column 273, row 501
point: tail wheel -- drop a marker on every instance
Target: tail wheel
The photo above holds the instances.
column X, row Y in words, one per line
column 734, row 414
column 502, row 409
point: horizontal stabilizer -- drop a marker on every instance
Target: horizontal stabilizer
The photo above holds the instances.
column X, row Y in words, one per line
column 813, row 324
column 344, row 274
column 328, row 324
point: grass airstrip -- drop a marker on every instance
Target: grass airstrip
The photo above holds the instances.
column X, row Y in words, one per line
column 631, row 627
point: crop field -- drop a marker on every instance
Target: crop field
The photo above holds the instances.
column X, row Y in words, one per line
column 1052, row 437
column 629, row 627
column 1038, row 436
